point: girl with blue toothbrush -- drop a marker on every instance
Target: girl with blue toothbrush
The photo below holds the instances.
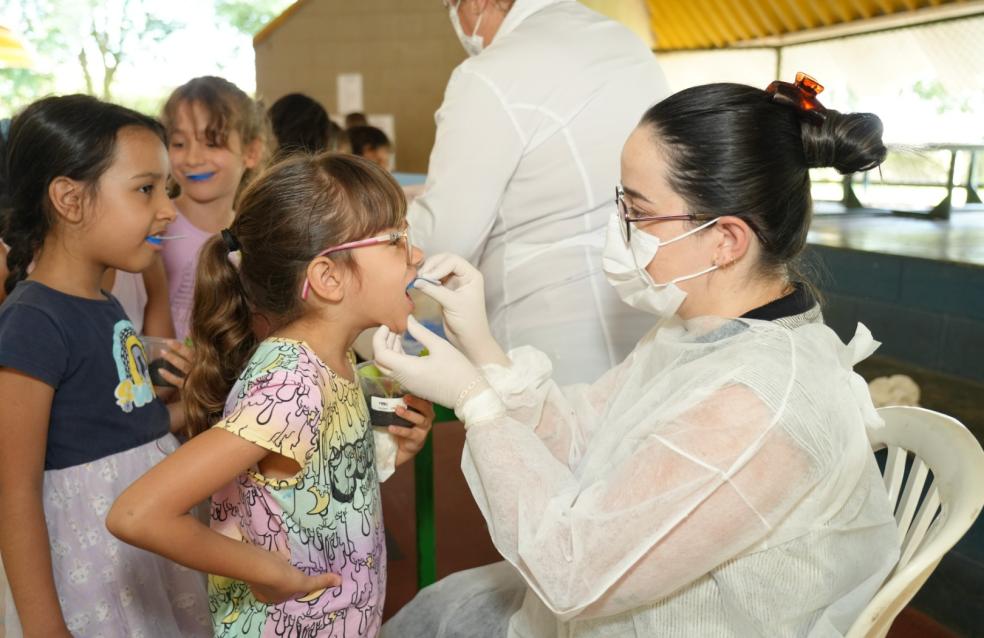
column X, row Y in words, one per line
column 80, row 418
column 217, row 137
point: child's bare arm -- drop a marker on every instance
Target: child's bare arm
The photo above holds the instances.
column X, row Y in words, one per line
column 153, row 514
column 24, row 541
column 157, row 313
column 176, row 413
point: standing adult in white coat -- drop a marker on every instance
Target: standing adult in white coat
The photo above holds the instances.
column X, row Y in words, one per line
column 521, row 173
column 717, row 483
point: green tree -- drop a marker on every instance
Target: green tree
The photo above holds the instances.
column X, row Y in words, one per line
column 935, row 91
column 250, row 17
column 20, row 86
column 97, row 36
column 115, row 28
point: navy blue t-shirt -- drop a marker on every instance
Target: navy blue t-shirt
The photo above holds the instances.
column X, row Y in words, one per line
column 88, row 351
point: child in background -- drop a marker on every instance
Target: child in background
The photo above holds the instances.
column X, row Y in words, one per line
column 371, row 143
column 356, row 118
column 301, row 124
column 80, row 420
column 216, row 137
column 340, row 136
column 283, row 440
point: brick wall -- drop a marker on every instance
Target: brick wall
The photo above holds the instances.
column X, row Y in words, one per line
column 926, row 312
column 404, row 49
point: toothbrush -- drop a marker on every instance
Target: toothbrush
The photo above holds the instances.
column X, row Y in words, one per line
column 156, row 240
column 434, row 282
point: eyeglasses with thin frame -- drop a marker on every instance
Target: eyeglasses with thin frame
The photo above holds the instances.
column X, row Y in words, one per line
column 388, row 238
column 627, row 216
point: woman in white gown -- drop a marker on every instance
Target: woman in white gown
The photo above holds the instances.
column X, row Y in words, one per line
column 719, row 481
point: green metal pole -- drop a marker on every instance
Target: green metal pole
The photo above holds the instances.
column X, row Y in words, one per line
column 423, row 479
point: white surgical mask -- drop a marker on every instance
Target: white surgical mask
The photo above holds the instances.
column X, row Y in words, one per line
column 473, row 43
column 625, row 269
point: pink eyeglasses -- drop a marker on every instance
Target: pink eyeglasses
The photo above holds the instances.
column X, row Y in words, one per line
column 388, row 238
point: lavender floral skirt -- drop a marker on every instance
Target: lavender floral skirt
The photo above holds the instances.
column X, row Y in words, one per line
column 108, row 588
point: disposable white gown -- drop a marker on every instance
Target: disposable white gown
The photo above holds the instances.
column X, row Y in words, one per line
column 719, row 482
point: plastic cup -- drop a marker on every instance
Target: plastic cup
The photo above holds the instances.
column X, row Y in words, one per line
column 383, row 395
column 154, row 347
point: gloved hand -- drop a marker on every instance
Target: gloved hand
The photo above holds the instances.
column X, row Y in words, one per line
column 462, row 298
column 444, row 376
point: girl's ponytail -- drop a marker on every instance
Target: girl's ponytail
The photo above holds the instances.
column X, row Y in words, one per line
column 23, row 235
column 222, row 331
column 288, row 216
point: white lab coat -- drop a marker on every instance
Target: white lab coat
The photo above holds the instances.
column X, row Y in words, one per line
column 522, row 178
column 718, row 483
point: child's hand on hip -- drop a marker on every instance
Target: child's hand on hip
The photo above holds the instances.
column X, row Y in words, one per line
column 293, row 584
column 409, row 441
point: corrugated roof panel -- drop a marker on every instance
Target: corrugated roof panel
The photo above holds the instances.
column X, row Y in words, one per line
column 709, row 24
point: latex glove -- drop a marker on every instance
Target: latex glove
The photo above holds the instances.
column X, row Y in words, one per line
column 444, row 376
column 462, row 298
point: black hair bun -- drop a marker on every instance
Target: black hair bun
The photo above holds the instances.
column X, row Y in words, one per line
column 849, row 142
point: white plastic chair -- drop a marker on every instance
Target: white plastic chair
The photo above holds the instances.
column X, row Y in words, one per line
column 942, row 445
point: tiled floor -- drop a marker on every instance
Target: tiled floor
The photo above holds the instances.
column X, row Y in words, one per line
column 463, row 541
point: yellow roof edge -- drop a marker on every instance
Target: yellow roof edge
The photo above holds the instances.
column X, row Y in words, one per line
column 697, row 31
column 274, row 24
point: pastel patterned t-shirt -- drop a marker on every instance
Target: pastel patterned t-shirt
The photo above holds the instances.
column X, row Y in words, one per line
column 327, row 518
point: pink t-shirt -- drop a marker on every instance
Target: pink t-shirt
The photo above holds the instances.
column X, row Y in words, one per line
column 328, row 518
column 181, row 263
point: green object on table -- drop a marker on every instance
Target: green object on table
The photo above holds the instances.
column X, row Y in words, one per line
column 423, row 480
column 369, row 370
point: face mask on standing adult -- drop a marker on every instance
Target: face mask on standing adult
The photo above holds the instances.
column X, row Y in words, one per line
column 473, row 43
